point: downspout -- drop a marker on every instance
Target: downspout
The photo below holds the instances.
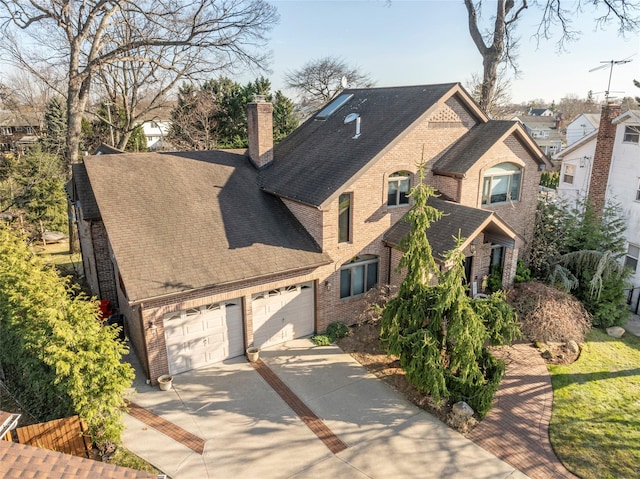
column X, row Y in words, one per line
column 389, row 267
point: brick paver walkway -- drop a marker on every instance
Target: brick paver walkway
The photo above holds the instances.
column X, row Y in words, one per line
column 167, row 428
column 517, row 428
column 313, row 422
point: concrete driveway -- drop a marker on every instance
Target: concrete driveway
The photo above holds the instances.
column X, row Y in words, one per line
column 249, row 430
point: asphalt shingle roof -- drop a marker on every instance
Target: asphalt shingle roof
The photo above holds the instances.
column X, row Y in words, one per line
column 18, row 460
column 464, row 153
column 456, row 219
column 184, row 221
column 319, row 157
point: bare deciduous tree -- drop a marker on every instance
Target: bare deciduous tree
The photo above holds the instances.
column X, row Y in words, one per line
column 73, row 41
column 77, row 40
column 26, row 97
column 498, row 45
column 318, row 81
column 498, row 104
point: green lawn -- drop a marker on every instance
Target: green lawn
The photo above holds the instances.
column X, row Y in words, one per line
column 595, row 427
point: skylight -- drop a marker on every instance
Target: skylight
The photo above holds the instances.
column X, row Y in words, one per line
column 330, row 109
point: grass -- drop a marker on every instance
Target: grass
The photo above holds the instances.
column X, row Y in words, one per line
column 58, row 255
column 595, row 426
column 125, row 458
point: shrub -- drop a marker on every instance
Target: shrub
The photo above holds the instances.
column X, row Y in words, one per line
column 479, row 394
column 549, row 314
column 57, row 357
column 321, row 340
column 523, row 274
column 337, row 330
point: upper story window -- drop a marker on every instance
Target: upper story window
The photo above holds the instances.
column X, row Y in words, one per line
column 501, row 184
column 638, row 191
column 344, row 218
column 569, row 173
column 358, row 275
column 631, row 134
column 399, row 183
column 631, row 260
column 5, row 130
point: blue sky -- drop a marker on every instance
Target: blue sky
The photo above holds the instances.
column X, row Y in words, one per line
column 422, row 42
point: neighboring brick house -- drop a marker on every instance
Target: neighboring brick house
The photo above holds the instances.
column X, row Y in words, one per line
column 18, row 131
column 605, row 166
column 209, row 252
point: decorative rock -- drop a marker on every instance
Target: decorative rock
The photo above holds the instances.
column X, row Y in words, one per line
column 546, row 354
column 461, row 408
column 615, row 331
column 573, row 347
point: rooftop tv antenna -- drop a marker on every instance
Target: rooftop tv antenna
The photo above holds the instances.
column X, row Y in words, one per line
column 610, row 64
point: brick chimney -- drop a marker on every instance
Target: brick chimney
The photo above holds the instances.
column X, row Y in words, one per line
column 260, row 127
column 602, row 157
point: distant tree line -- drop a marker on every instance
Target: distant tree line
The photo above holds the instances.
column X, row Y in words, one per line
column 214, row 114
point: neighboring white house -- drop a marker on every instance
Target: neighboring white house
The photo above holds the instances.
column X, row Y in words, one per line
column 156, row 132
column 575, row 172
column 583, row 172
column 582, row 126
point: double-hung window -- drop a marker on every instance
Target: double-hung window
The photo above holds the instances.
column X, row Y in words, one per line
column 358, row 275
column 501, row 184
column 631, row 260
column 631, row 134
column 569, row 173
column 398, row 188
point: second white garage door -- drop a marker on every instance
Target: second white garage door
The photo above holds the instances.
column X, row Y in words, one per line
column 201, row 336
column 283, row 314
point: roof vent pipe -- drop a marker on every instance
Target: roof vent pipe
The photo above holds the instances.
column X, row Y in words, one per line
column 357, row 135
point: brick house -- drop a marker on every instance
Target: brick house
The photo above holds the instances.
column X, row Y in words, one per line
column 208, row 252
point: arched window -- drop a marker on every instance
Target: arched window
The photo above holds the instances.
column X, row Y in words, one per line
column 358, row 275
column 501, row 184
column 399, row 183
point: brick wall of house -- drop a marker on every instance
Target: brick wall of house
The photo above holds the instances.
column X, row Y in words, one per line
column 104, row 264
column 517, row 214
column 88, row 258
column 148, row 317
column 603, row 156
column 309, row 216
column 371, row 217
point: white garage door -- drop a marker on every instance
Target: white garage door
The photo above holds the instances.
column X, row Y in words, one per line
column 282, row 314
column 206, row 335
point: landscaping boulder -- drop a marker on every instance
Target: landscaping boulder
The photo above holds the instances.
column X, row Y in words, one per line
column 615, row 331
column 573, row 347
column 462, row 409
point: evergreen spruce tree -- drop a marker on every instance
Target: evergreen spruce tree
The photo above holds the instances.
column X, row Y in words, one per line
column 55, row 120
column 434, row 327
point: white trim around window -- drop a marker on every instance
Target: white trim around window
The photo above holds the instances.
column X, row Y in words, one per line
column 569, row 173
column 398, row 186
column 359, row 275
column 501, row 184
column 631, row 259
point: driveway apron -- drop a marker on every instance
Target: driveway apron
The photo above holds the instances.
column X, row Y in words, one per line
column 249, row 429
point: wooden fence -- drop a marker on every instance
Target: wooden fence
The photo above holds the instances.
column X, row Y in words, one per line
column 66, row 435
